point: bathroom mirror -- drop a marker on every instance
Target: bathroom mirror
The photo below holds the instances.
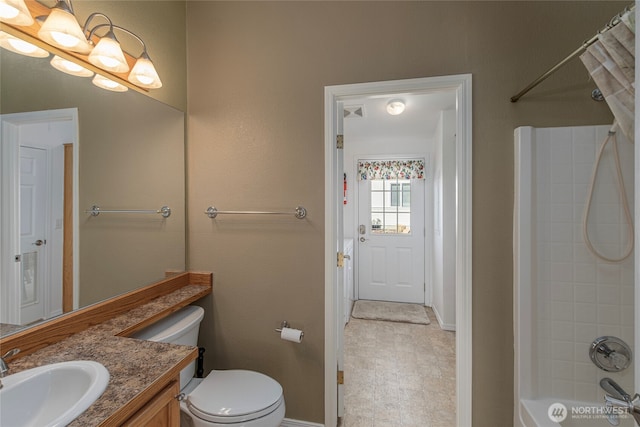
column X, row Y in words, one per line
column 129, row 156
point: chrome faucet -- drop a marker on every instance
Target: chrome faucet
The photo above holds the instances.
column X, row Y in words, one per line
column 616, row 397
column 4, row 368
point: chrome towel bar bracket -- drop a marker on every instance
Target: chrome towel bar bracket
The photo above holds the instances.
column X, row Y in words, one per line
column 212, row 212
column 95, row 210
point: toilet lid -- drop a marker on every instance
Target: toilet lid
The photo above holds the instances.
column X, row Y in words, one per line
column 234, row 396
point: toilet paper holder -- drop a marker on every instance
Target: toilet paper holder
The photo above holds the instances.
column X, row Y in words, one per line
column 285, row 324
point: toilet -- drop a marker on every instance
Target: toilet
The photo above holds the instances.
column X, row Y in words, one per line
column 225, row 398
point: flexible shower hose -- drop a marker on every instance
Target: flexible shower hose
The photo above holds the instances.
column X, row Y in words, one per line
column 623, row 198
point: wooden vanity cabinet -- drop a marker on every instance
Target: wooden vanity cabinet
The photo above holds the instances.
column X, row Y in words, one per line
column 163, row 410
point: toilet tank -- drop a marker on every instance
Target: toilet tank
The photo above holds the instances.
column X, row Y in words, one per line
column 179, row 328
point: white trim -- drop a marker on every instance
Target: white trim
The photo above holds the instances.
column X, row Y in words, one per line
column 444, row 326
column 462, row 85
column 297, row 423
column 637, row 217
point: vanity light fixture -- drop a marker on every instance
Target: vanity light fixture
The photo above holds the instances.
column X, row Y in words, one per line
column 91, row 52
column 15, row 12
column 108, row 84
column 22, row 47
column 69, row 67
column 61, row 29
column 395, row 107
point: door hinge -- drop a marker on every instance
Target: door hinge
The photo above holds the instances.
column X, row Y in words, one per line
column 339, row 142
column 18, row 258
column 340, row 377
column 340, row 259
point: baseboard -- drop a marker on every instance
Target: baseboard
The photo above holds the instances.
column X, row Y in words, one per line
column 443, row 326
column 296, row 423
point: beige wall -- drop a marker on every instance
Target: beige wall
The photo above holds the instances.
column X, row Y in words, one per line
column 256, row 73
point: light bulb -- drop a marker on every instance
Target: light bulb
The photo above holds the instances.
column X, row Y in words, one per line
column 69, row 67
column 108, row 55
column 20, row 46
column 108, row 84
column 7, row 11
column 61, row 29
column 15, row 12
column 144, row 73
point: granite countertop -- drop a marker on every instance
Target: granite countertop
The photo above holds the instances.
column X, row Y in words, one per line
column 134, row 365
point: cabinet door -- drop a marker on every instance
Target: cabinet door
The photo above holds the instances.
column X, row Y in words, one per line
column 161, row 411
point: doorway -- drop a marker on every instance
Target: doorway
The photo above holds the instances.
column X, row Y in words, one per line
column 335, row 96
column 39, row 158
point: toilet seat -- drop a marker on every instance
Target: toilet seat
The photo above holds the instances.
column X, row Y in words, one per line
column 234, row 396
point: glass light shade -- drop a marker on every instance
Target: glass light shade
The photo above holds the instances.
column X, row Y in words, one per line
column 144, row 74
column 22, row 47
column 105, row 83
column 108, row 55
column 69, row 67
column 15, row 12
column 61, row 29
column 395, row 107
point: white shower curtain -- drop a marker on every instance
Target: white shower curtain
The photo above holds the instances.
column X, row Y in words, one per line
column 611, row 63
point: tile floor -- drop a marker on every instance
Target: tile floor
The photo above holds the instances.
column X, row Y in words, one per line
column 399, row 374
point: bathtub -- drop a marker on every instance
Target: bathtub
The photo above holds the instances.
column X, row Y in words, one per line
column 559, row 288
column 534, row 413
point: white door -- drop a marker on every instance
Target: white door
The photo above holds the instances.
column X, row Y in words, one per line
column 33, row 193
column 390, row 240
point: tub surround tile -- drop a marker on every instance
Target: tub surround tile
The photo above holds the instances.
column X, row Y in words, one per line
column 134, row 365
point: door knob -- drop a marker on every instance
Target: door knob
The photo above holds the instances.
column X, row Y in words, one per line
column 40, row 242
column 362, row 239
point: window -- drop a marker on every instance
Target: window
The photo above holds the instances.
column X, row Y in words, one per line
column 391, row 206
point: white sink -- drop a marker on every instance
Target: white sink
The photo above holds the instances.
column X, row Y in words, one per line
column 51, row 395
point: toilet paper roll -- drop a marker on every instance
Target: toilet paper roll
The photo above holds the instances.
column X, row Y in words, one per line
column 293, row 335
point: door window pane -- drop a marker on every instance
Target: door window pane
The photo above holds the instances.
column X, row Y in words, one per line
column 391, row 206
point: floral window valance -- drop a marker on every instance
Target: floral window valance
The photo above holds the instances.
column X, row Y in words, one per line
column 390, row 169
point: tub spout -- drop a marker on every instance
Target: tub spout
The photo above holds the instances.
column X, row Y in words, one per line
column 616, row 397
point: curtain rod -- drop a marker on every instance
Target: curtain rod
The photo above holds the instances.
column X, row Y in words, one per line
column 614, row 21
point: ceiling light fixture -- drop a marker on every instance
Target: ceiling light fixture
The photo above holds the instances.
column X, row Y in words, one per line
column 15, row 12
column 395, row 107
column 69, row 67
column 22, row 47
column 61, row 29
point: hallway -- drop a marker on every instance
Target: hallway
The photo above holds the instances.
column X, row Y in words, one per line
column 399, row 374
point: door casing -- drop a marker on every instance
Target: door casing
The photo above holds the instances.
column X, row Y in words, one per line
column 461, row 84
